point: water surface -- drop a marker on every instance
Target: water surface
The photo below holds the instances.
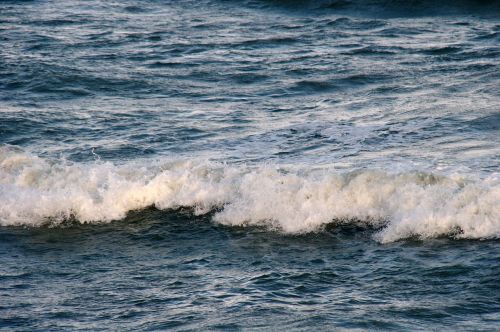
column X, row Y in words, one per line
column 249, row 165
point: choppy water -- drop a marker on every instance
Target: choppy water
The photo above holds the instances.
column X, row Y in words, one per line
column 221, row 164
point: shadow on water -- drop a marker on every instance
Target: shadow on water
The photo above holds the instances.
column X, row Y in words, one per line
column 155, row 227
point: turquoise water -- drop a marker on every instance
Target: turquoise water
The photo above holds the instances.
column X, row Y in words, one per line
column 266, row 165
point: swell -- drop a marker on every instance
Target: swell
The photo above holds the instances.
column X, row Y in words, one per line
column 386, row 8
column 36, row 191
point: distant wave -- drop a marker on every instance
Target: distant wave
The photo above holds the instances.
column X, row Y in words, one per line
column 36, row 191
column 403, row 7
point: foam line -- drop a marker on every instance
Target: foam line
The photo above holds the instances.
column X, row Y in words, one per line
column 36, row 191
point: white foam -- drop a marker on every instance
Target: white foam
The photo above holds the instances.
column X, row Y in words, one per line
column 35, row 191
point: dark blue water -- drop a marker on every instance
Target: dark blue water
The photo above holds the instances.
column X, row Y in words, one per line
column 265, row 165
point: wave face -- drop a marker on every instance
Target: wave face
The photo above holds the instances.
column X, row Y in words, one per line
column 36, row 191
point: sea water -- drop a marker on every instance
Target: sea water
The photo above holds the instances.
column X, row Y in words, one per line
column 262, row 165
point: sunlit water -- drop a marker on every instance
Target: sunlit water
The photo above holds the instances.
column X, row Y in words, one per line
column 215, row 164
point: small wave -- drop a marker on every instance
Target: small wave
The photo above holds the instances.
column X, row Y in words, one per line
column 391, row 7
column 36, row 191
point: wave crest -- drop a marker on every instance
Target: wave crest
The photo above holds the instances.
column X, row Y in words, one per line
column 36, row 191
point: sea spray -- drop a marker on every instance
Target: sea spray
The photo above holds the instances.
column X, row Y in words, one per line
column 35, row 191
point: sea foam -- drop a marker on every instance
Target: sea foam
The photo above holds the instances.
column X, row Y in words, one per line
column 35, row 191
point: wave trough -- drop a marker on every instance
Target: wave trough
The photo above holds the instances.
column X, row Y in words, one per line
column 36, row 191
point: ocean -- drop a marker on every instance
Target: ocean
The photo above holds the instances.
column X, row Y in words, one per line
column 250, row 165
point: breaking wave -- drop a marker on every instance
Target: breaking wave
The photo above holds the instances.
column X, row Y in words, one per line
column 35, row 191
